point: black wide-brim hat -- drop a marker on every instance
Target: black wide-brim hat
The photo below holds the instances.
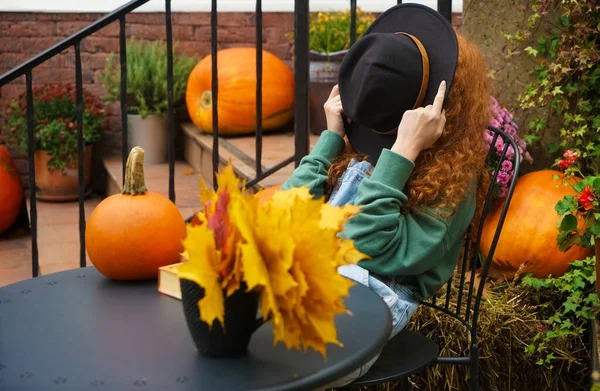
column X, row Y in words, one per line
column 396, row 66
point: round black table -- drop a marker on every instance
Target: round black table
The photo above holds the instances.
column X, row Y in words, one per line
column 78, row 330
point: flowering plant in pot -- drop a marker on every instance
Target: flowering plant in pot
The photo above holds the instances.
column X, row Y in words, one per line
column 147, row 99
column 234, row 266
column 503, row 119
column 329, row 32
column 55, row 137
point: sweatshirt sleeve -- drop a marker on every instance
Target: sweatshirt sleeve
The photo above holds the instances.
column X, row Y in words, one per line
column 313, row 168
column 398, row 244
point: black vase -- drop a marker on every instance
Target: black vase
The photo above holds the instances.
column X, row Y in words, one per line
column 240, row 321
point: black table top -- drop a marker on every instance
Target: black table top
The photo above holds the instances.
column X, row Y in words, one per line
column 78, row 330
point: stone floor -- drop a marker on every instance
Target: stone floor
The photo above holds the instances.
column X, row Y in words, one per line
column 58, row 223
column 58, row 242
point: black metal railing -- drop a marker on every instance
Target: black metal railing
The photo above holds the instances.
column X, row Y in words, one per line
column 301, row 97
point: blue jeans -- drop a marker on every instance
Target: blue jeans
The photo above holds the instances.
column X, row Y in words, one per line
column 400, row 302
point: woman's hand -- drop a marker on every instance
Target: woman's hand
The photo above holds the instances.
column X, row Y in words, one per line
column 333, row 112
column 420, row 128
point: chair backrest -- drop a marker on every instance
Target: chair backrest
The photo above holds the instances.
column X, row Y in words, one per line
column 468, row 291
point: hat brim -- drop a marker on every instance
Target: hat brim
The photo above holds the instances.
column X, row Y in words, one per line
column 439, row 39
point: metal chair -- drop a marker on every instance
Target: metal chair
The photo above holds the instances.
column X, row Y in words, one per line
column 410, row 352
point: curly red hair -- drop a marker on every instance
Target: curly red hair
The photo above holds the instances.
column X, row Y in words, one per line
column 443, row 173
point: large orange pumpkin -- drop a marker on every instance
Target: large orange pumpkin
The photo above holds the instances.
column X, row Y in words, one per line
column 11, row 191
column 130, row 235
column 237, row 92
column 530, row 229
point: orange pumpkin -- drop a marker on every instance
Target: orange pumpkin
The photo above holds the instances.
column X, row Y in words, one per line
column 130, row 235
column 265, row 194
column 11, row 191
column 530, row 229
column 237, row 92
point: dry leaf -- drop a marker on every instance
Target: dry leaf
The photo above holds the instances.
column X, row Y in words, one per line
column 288, row 250
column 188, row 171
column 200, row 267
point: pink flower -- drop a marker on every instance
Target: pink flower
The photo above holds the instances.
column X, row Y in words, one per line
column 499, row 145
column 487, row 136
column 510, row 153
column 507, row 165
column 495, row 123
column 506, row 115
column 503, row 178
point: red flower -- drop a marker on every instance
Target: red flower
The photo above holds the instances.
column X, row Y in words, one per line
column 586, row 198
column 569, row 154
column 569, row 159
column 563, row 164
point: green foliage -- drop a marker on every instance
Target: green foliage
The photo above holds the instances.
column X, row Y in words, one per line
column 55, row 123
column 330, row 31
column 147, row 77
column 579, row 221
column 573, row 298
column 567, row 70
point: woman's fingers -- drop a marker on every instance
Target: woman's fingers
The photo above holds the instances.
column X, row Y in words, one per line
column 442, row 123
column 438, row 102
column 335, row 91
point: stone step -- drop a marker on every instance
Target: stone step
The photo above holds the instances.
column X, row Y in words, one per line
column 276, row 147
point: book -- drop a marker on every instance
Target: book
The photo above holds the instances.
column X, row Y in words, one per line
column 168, row 281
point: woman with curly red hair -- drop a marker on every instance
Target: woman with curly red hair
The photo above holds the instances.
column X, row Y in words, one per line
column 404, row 141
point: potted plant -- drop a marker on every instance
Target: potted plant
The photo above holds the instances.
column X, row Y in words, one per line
column 329, row 41
column 234, row 266
column 55, row 137
column 147, row 93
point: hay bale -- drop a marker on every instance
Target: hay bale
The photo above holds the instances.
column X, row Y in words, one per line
column 510, row 317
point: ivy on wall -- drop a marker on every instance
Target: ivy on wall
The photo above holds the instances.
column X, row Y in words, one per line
column 563, row 39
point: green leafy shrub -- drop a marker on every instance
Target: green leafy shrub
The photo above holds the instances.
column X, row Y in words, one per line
column 562, row 38
column 147, row 77
column 572, row 299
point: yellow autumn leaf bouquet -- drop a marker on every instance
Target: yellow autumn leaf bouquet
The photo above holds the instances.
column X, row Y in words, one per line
column 288, row 250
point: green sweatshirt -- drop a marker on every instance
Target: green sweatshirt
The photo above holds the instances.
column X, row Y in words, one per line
column 420, row 249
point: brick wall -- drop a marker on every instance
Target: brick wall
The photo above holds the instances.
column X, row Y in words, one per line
column 23, row 35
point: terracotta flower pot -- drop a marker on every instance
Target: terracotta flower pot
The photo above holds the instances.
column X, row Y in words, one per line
column 57, row 185
column 240, row 321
